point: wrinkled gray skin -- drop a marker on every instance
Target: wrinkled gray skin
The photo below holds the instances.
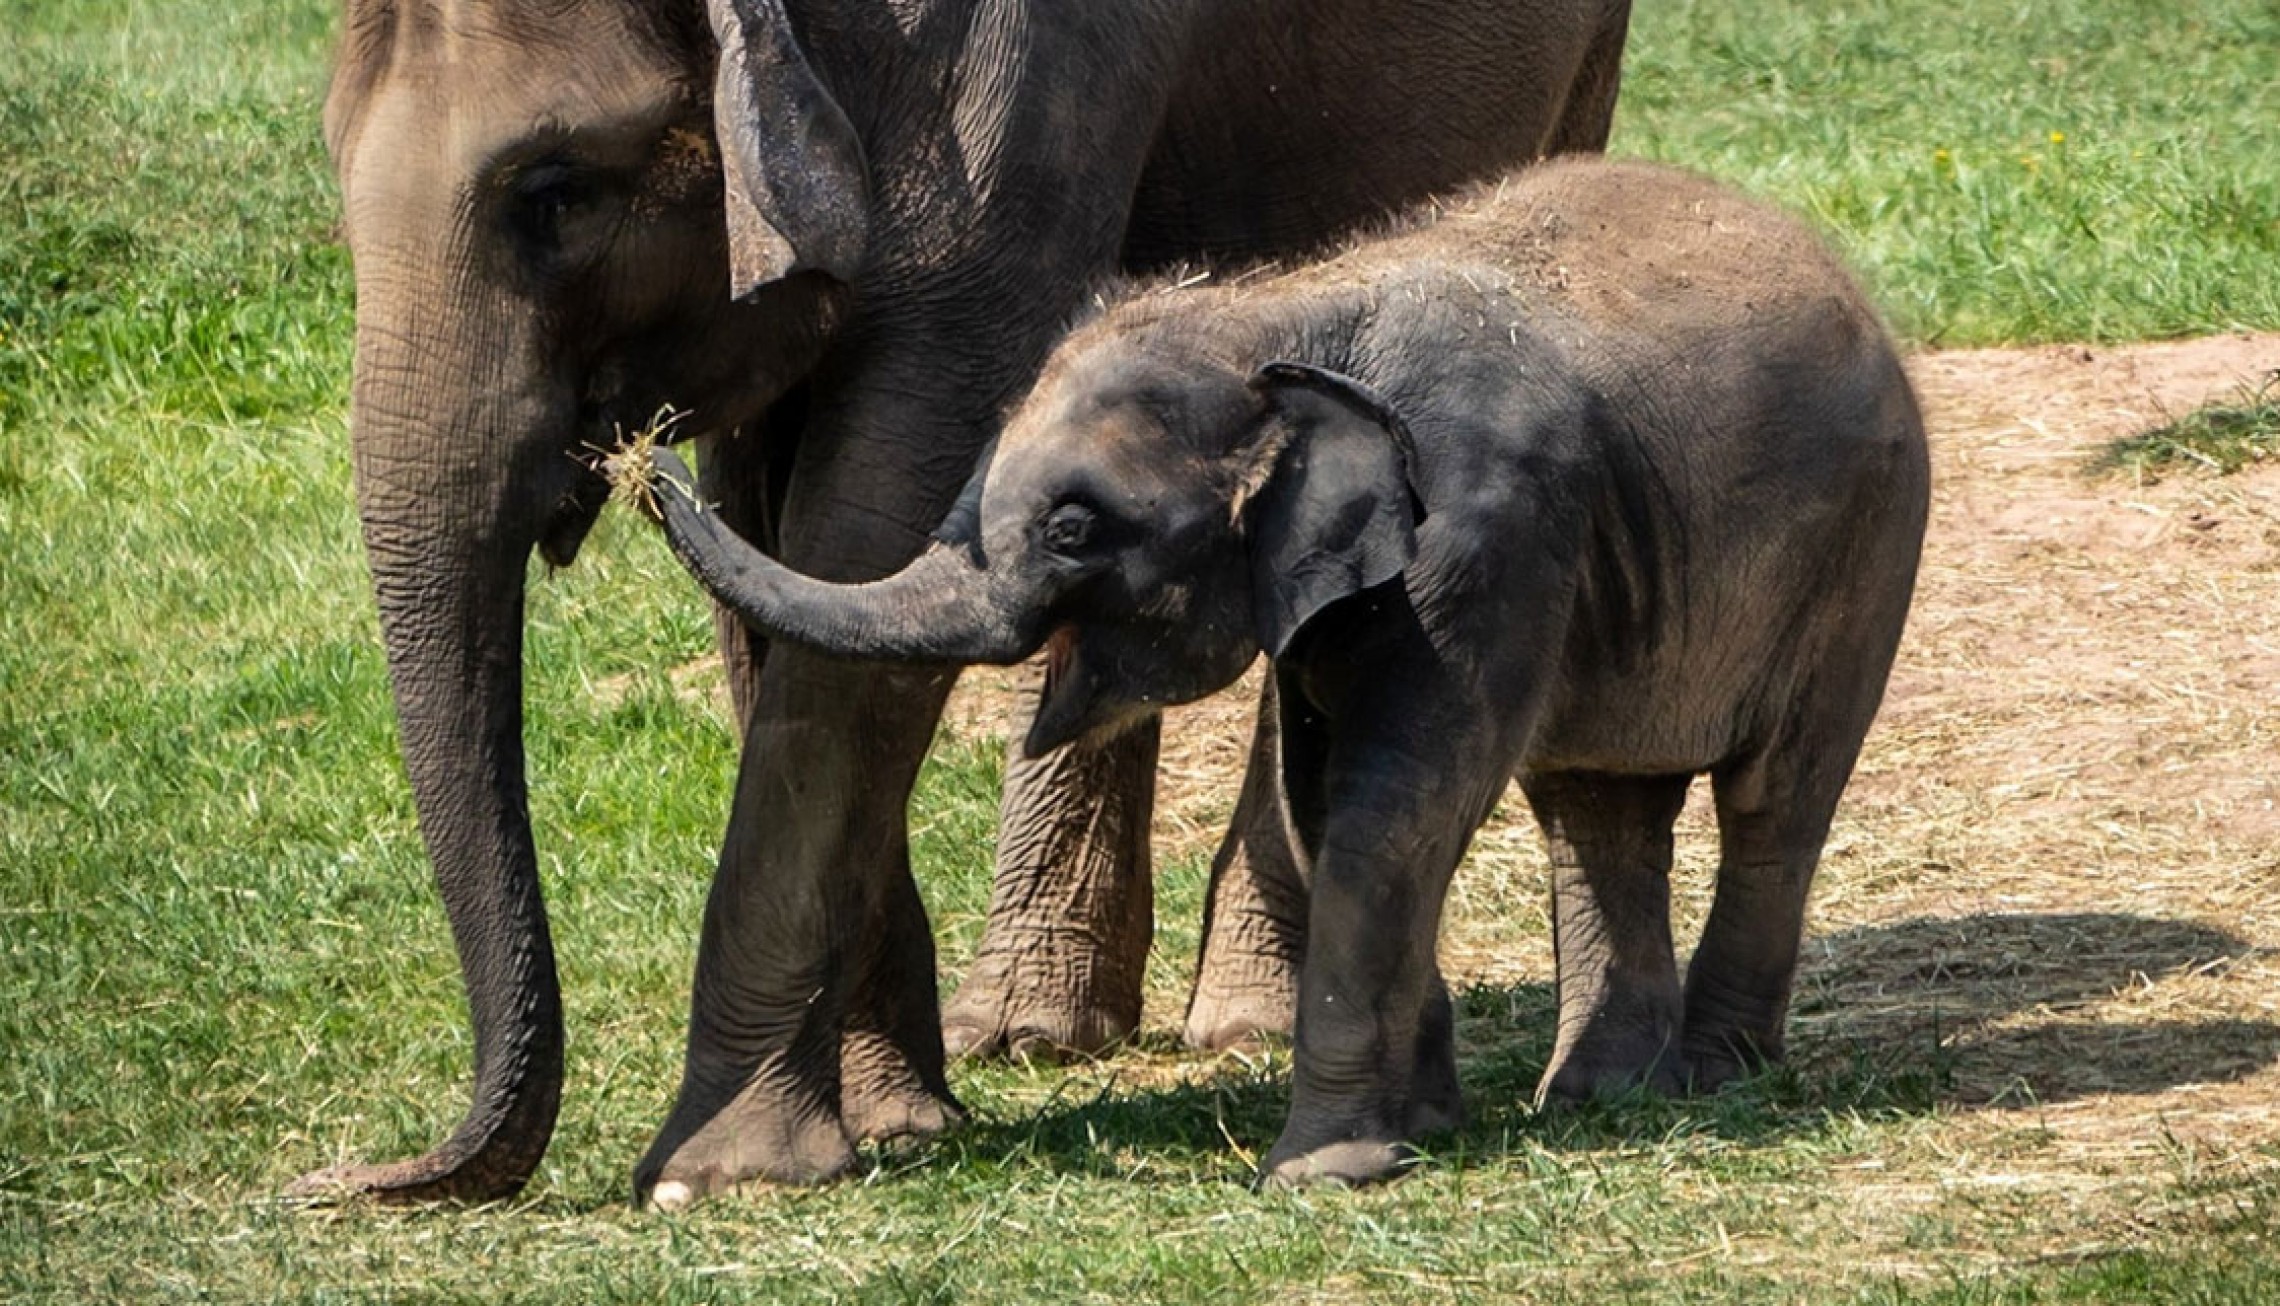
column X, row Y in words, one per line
column 851, row 231
column 1608, row 481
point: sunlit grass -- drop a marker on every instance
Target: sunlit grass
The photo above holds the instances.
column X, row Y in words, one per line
column 1999, row 173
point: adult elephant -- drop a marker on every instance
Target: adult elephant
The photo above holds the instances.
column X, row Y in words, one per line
column 852, row 230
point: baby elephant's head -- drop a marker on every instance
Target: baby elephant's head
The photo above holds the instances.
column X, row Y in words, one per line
column 1151, row 522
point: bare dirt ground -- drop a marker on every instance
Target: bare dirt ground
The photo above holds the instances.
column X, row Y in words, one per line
column 2057, row 871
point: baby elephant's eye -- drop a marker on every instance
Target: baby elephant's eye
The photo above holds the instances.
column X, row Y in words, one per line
column 1068, row 528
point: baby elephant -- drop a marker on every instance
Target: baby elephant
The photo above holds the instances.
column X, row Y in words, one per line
column 1600, row 478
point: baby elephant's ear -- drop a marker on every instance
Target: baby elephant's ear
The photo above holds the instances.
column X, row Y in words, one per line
column 1337, row 514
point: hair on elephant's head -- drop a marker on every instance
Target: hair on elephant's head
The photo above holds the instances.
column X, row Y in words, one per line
column 1151, row 522
column 564, row 216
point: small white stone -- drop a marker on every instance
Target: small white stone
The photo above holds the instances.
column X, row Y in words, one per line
column 671, row 1195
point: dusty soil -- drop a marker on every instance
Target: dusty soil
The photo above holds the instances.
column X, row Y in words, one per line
column 2057, row 872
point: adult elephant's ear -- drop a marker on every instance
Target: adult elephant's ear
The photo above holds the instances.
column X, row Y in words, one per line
column 1335, row 511
column 797, row 193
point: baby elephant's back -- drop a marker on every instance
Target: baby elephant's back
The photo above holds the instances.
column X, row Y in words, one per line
column 1747, row 382
column 1634, row 263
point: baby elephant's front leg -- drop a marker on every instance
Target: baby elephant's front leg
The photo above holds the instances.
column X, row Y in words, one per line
column 1375, row 1056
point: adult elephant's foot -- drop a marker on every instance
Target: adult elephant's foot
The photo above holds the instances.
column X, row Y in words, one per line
column 892, row 1085
column 884, row 1100
column 1576, row 1079
column 1051, row 999
column 872, row 1074
column 1709, row 1069
column 1254, row 940
column 1065, row 950
column 1729, row 1041
column 1246, row 983
column 1242, row 1013
column 771, row 1130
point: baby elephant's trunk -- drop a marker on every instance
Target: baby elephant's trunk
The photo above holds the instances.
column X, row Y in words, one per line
column 940, row 608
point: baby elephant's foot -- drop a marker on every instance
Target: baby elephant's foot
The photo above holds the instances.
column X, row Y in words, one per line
column 1611, row 1065
column 1367, row 1153
column 1716, row 1058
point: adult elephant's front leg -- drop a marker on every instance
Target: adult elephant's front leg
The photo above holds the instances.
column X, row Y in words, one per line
column 813, row 1021
column 815, row 964
column 812, row 909
column 884, row 1095
column 1071, row 915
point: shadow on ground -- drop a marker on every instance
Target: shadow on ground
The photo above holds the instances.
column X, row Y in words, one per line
column 2007, row 1004
column 1890, row 1020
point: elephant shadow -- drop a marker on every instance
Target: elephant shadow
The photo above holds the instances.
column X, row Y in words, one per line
column 2006, row 1007
column 1892, row 1020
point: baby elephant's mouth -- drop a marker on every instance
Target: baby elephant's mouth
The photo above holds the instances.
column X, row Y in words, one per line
column 1060, row 653
column 1065, row 704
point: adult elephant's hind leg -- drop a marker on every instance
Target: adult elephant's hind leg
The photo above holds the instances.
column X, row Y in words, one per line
column 1254, row 916
column 1065, row 949
column 1609, row 838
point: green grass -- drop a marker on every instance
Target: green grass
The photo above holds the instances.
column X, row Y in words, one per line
column 222, row 963
column 2000, row 173
column 2221, row 437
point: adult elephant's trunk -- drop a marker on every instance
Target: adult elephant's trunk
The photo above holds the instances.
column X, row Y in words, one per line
column 453, row 497
column 943, row 607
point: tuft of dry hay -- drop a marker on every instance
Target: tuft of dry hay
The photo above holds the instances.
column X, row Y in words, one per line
column 630, row 468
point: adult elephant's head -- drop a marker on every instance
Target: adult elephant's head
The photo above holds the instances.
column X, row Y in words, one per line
column 564, row 214
column 1151, row 524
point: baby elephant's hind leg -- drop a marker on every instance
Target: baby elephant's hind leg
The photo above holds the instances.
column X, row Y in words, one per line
column 1610, row 845
column 1773, row 816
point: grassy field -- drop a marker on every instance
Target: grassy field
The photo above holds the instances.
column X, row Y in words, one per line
column 221, row 961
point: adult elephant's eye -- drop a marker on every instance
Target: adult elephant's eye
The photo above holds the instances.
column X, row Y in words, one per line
column 548, row 204
column 1068, row 528
column 544, row 194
